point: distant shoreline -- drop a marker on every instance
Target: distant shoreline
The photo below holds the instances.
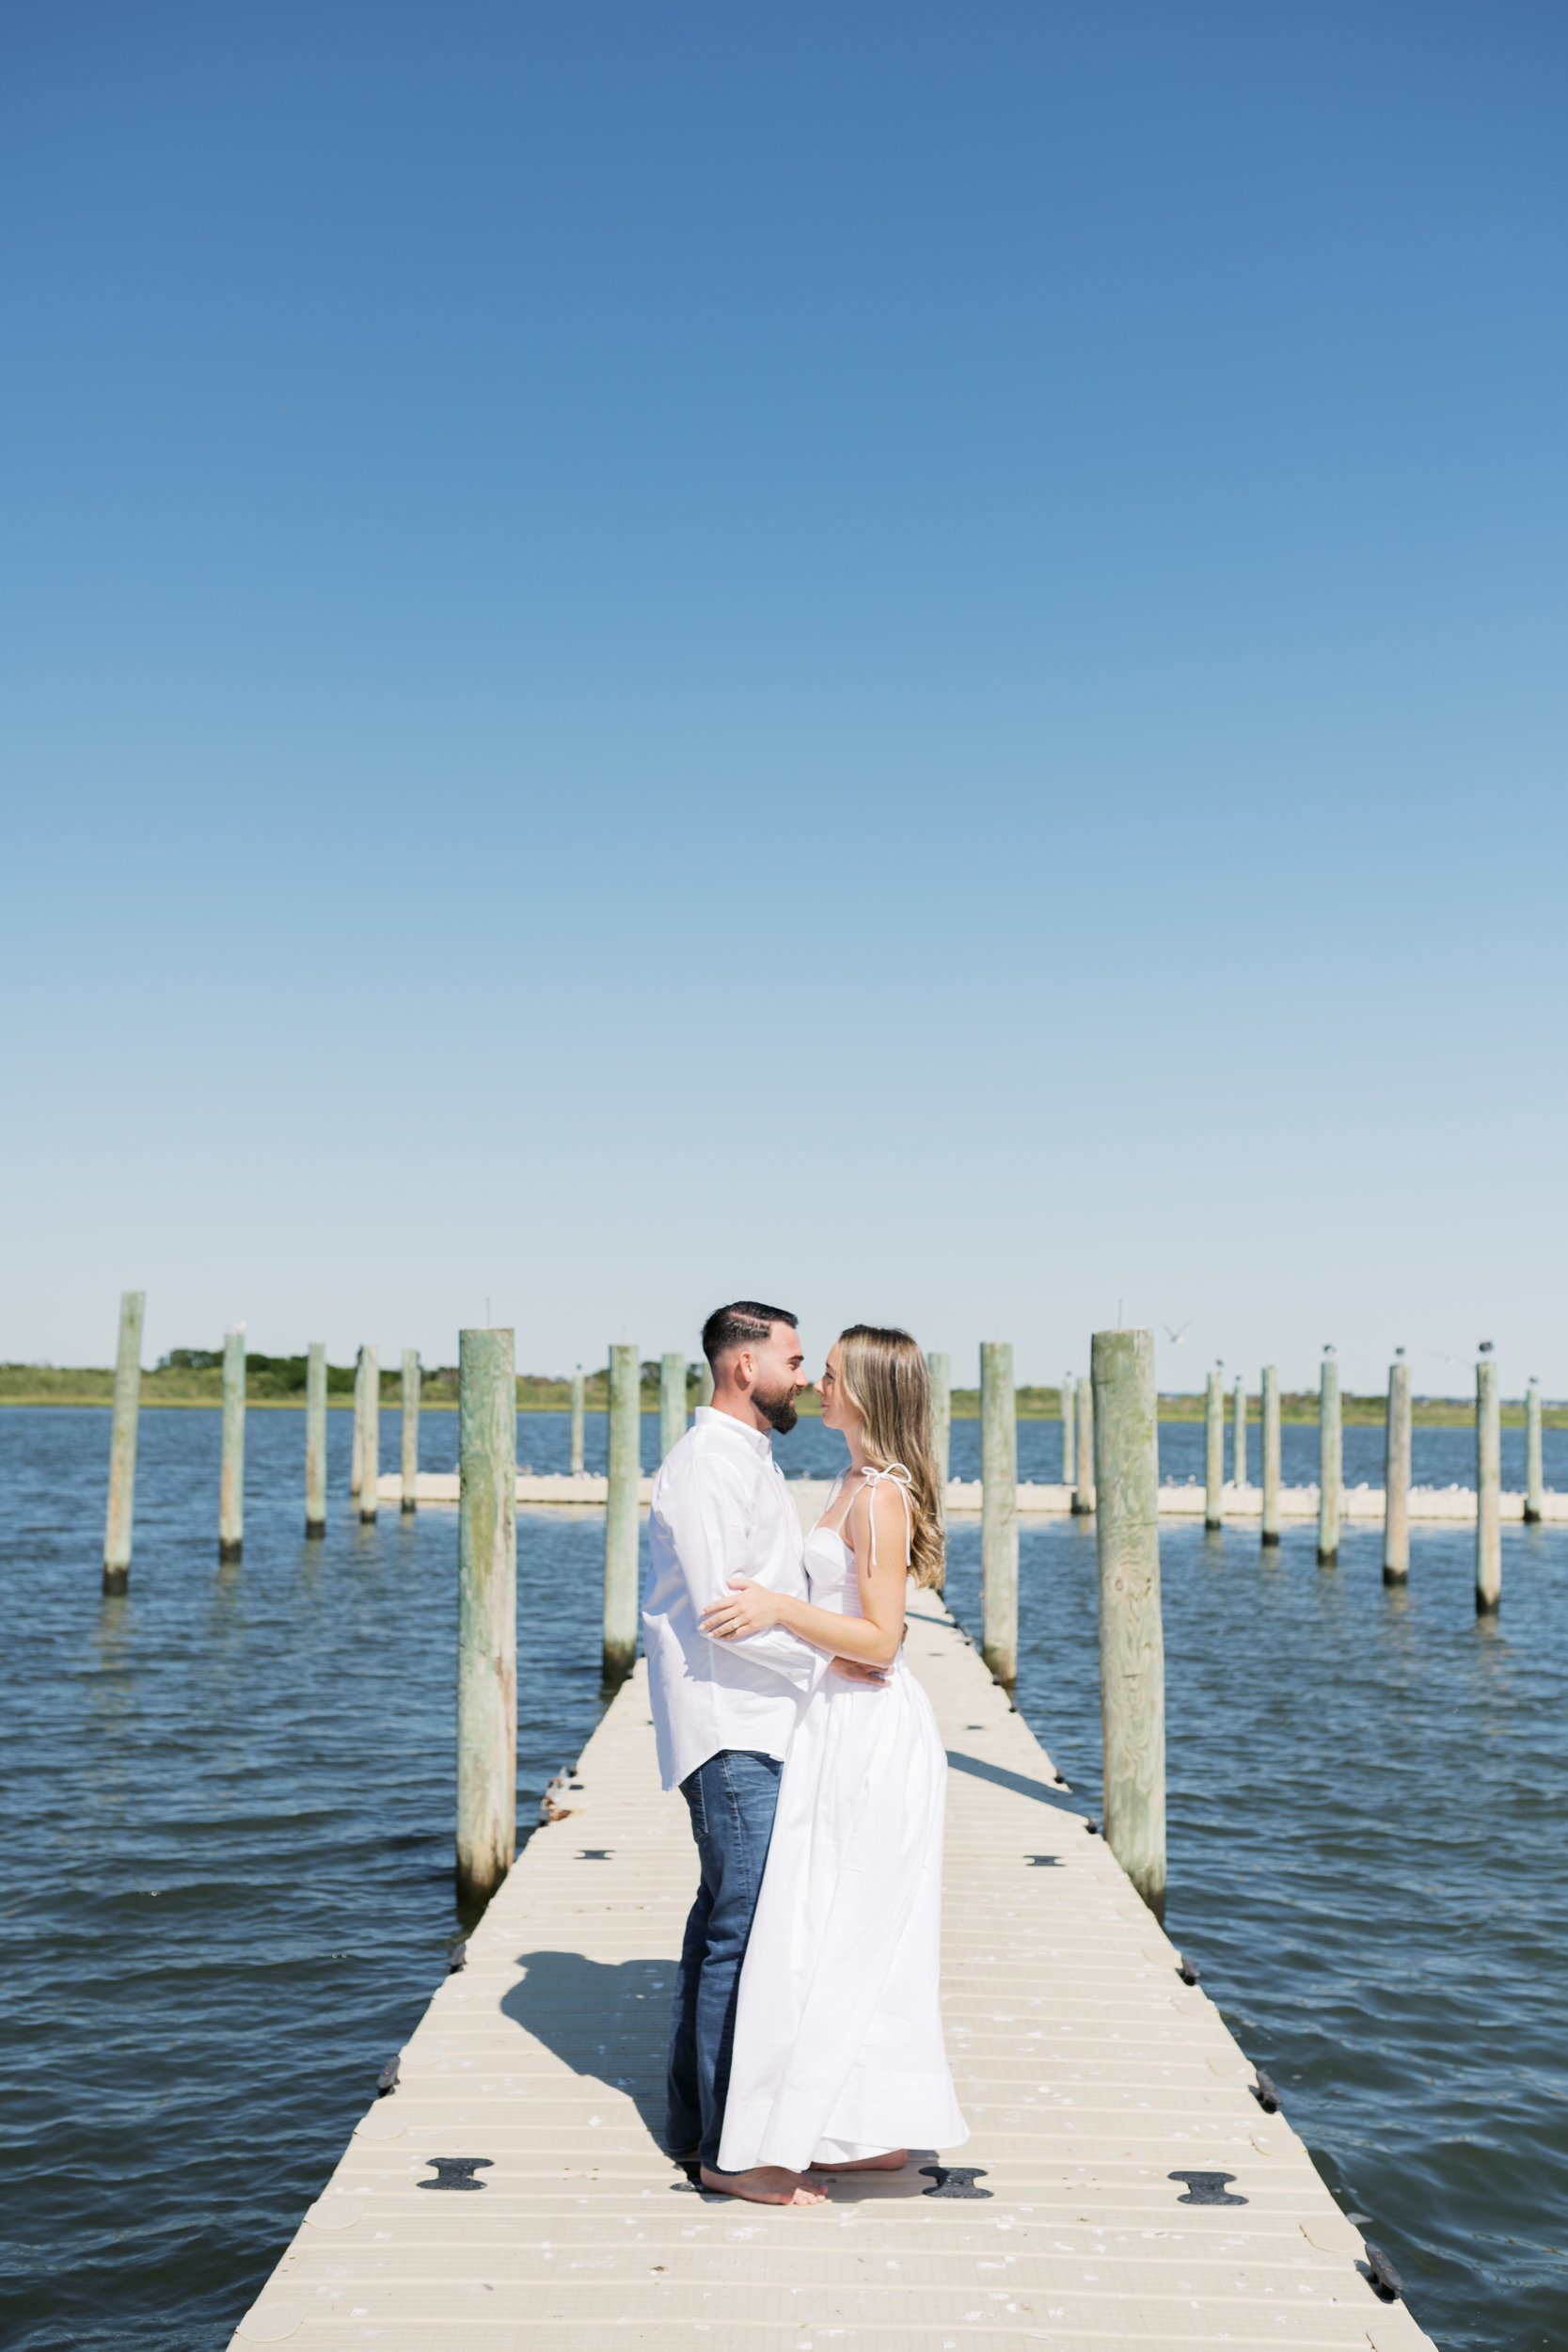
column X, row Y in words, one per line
column 32, row 1385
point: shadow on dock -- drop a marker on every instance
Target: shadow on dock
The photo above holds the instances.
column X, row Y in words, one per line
column 1000, row 1777
column 607, row 2019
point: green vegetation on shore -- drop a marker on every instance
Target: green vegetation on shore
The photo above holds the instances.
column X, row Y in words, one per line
column 194, row 1376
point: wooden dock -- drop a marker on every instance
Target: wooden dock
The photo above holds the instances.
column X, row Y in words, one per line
column 509, row 2195
column 544, row 1490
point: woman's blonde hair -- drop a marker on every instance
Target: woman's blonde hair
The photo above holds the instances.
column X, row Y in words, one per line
column 885, row 1377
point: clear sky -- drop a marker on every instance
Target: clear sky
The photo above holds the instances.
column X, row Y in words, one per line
column 909, row 657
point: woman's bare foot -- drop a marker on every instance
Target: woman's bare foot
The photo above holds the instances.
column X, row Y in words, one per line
column 894, row 2161
column 764, row 2184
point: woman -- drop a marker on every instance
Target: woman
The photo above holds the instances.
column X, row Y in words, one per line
column 838, row 2059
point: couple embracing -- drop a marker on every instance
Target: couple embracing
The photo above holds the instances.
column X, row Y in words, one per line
column 807, row 2036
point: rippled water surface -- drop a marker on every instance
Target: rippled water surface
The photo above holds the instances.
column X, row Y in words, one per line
column 226, row 1892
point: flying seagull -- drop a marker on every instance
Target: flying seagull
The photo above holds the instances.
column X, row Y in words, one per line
column 1175, row 1336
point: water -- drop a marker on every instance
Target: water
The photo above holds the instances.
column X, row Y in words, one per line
column 1440, row 1457
column 226, row 1890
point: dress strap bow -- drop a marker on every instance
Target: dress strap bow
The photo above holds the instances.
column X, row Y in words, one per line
column 901, row 1478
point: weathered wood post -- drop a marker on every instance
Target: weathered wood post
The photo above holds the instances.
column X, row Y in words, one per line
column 1214, row 1451
column 672, row 1402
column 315, row 1439
column 620, row 1518
column 941, row 1413
column 1268, row 1409
column 998, row 1511
column 1083, row 1492
column 1331, row 1461
column 357, row 1449
column 1067, row 1396
column 232, row 1477
column 486, row 1611
column 370, row 1460
column 410, row 1428
column 576, row 1422
column 1489, row 1537
column 1396, row 1474
column 122, row 1444
column 1238, row 1455
column 1131, row 1638
column 1535, row 1484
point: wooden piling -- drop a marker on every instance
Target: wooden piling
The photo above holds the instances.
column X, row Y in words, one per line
column 941, row 1413
column 356, row 1447
column 1214, row 1451
column 232, row 1477
column 1331, row 1461
column 1238, row 1455
column 1131, row 1639
column 370, row 1460
column 122, row 1444
column 1067, row 1397
column 1268, row 1407
column 998, row 1511
column 1083, row 1492
column 410, row 1428
column 315, row 1439
column 1535, row 1484
column 1489, row 1547
column 576, row 1422
column 1396, row 1474
column 620, row 1519
column 487, row 1612
column 672, row 1402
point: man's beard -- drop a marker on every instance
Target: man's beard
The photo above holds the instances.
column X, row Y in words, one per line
column 778, row 1409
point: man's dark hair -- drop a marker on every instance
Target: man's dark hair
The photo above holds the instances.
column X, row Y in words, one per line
column 745, row 1322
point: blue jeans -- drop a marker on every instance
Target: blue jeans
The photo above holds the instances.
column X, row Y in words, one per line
column 732, row 1798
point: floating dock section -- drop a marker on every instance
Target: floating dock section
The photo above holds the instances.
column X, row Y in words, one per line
column 541, row 1490
column 1124, row 2185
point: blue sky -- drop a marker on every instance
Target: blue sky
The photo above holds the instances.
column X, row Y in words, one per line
column 906, row 658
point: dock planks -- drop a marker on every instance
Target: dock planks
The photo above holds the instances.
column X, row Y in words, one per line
column 1088, row 2071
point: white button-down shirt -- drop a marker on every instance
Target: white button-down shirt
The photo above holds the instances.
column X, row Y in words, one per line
column 720, row 1508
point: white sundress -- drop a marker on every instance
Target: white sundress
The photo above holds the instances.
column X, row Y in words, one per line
column 838, row 2045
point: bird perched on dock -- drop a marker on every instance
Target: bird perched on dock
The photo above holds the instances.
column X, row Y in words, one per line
column 550, row 1807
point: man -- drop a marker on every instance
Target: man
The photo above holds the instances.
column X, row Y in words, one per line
column 724, row 1711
